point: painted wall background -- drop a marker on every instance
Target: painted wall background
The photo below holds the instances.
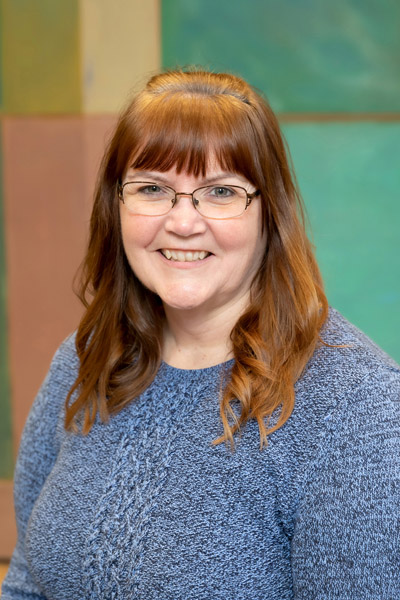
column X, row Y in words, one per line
column 331, row 71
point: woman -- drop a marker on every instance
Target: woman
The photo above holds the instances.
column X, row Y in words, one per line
column 224, row 434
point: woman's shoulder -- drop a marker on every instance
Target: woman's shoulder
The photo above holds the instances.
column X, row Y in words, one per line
column 346, row 495
column 347, row 378
column 49, row 402
column 347, row 397
column 65, row 363
column 44, row 427
column 346, row 358
column 358, row 346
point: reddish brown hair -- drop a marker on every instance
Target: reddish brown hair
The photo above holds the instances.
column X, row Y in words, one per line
column 178, row 120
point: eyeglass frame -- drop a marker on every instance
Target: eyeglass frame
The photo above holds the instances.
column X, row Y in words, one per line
column 195, row 202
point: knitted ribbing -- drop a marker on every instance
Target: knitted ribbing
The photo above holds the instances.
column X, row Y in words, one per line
column 137, row 475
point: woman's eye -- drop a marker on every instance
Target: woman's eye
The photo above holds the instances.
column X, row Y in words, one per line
column 221, row 192
column 150, row 189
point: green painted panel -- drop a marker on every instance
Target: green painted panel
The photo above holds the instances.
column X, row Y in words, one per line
column 350, row 180
column 41, row 64
column 6, row 451
column 306, row 55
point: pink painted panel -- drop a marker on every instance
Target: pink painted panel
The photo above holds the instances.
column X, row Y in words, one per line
column 97, row 132
column 8, row 527
column 50, row 167
column 45, row 223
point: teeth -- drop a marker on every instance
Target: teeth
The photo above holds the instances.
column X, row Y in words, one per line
column 181, row 256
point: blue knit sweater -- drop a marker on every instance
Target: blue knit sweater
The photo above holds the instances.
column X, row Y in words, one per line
column 144, row 507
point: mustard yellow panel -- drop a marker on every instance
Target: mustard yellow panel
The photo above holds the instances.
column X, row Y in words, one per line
column 41, row 64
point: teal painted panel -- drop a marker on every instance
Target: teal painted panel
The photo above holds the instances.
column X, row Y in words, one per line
column 6, row 449
column 306, row 55
column 349, row 177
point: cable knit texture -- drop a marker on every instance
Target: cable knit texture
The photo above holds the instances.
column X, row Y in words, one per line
column 146, row 508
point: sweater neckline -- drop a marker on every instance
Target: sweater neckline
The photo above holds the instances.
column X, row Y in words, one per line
column 201, row 372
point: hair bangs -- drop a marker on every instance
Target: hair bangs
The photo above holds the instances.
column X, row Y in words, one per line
column 190, row 132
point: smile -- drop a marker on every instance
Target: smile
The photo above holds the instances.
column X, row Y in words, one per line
column 181, row 256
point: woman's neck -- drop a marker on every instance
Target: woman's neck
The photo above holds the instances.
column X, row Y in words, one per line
column 193, row 340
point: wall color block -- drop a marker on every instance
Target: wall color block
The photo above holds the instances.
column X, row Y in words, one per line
column 349, row 176
column 120, row 43
column 46, row 217
column 50, row 169
column 307, row 55
column 7, row 521
column 97, row 130
column 41, row 64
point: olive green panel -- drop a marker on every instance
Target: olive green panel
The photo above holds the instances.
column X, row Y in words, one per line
column 349, row 177
column 6, row 453
column 41, row 62
column 306, row 55
column 1, row 57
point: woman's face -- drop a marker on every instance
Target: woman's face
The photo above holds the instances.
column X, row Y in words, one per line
column 225, row 254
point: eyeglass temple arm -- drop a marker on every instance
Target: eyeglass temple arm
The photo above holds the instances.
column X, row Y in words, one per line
column 251, row 197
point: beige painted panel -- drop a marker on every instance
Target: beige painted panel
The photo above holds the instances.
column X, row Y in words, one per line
column 121, row 49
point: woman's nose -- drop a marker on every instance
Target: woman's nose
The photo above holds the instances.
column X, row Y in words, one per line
column 183, row 218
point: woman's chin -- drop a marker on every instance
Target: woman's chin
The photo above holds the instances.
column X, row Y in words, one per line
column 182, row 305
column 184, row 302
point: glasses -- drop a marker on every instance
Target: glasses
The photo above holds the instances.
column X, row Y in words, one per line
column 212, row 201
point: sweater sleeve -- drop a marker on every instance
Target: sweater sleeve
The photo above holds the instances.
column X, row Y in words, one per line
column 347, row 535
column 37, row 454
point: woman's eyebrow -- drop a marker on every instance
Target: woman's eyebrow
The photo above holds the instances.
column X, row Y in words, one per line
column 219, row 176
column 147, row 175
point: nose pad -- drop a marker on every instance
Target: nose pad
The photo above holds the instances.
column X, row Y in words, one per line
column 194, row 200
column 178, row 202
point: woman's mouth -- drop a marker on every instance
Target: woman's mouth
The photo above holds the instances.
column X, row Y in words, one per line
column 183, row 256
